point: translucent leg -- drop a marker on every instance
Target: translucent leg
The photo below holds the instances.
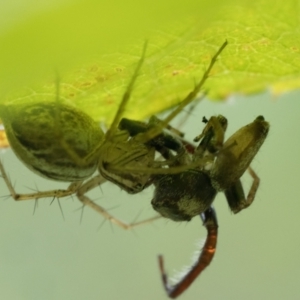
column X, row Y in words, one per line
column 77, row 188
column 91, row 184
column 187, row 100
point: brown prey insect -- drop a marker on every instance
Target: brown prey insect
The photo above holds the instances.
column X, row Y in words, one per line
column 213, row 166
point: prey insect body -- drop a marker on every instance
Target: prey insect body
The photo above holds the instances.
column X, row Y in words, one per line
column 213, row 166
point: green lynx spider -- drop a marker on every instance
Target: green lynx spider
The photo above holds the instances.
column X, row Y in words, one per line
column 81, row 147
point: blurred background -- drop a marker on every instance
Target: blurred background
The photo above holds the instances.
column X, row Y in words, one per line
column 44, row 255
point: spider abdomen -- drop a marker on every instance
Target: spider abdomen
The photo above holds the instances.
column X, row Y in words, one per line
column 39, row 132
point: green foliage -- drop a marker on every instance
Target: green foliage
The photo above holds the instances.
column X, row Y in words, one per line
column 94, row 47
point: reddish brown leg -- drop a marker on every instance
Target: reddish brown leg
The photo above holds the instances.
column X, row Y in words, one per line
column 209, row 219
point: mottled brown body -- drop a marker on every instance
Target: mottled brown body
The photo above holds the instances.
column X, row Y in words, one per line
column 212, row 167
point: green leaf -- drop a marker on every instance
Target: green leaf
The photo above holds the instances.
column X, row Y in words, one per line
column 94, row 46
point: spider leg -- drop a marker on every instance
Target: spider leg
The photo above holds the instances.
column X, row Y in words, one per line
column 189, row 110
column 126, row 95
column 236, row 197
column 76, row 187
column 164, row 143
column 211, row 140
column 209, row 219
column 91, row 184
column 94, row 155
column 73, row 187
column 153, row 132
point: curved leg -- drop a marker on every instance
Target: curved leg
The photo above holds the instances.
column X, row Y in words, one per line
column 94, row 182
column 110, row 134
column 209, row 219
column 153, row 132
column 76, row 187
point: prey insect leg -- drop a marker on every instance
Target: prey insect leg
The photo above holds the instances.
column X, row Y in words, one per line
column 236, row 197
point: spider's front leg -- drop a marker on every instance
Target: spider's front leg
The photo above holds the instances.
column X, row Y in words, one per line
column 209, row 219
